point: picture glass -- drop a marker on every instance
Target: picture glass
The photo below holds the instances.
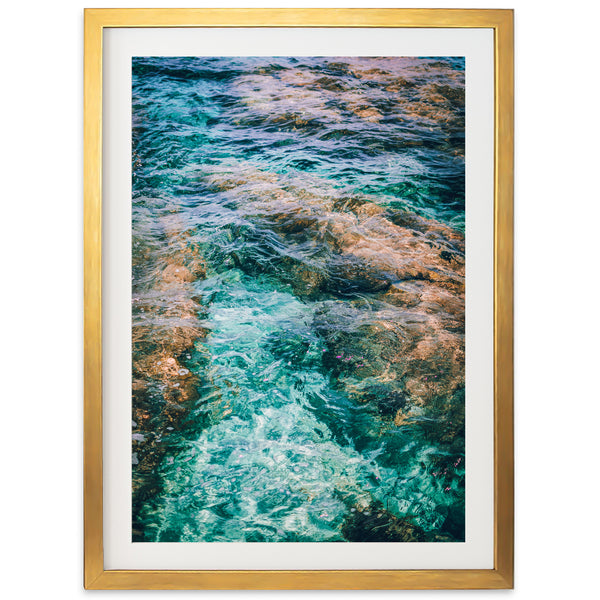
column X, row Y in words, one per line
column 298, row 299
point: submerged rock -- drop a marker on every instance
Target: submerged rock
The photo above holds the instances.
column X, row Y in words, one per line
column 395, row 336
column 346, row 95
column 349, row 275
column 167, row 314
column 176, row 272
column 374, row 524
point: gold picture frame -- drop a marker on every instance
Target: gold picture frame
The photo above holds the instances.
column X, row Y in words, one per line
column 501, row 576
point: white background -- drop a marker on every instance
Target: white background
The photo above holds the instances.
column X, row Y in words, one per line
column 557, row 299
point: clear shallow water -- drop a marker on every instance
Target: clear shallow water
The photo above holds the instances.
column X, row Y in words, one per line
column 297, row 361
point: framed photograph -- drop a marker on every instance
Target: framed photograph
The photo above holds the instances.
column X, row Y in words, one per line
column 298, row 299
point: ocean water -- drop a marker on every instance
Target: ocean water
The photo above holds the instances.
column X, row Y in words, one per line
column 298, row 299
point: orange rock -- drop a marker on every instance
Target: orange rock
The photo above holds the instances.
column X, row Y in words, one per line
column 177, row 272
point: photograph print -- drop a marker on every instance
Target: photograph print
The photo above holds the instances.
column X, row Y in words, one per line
column 298, row 299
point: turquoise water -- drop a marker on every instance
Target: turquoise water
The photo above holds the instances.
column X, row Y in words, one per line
column 298, row 299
